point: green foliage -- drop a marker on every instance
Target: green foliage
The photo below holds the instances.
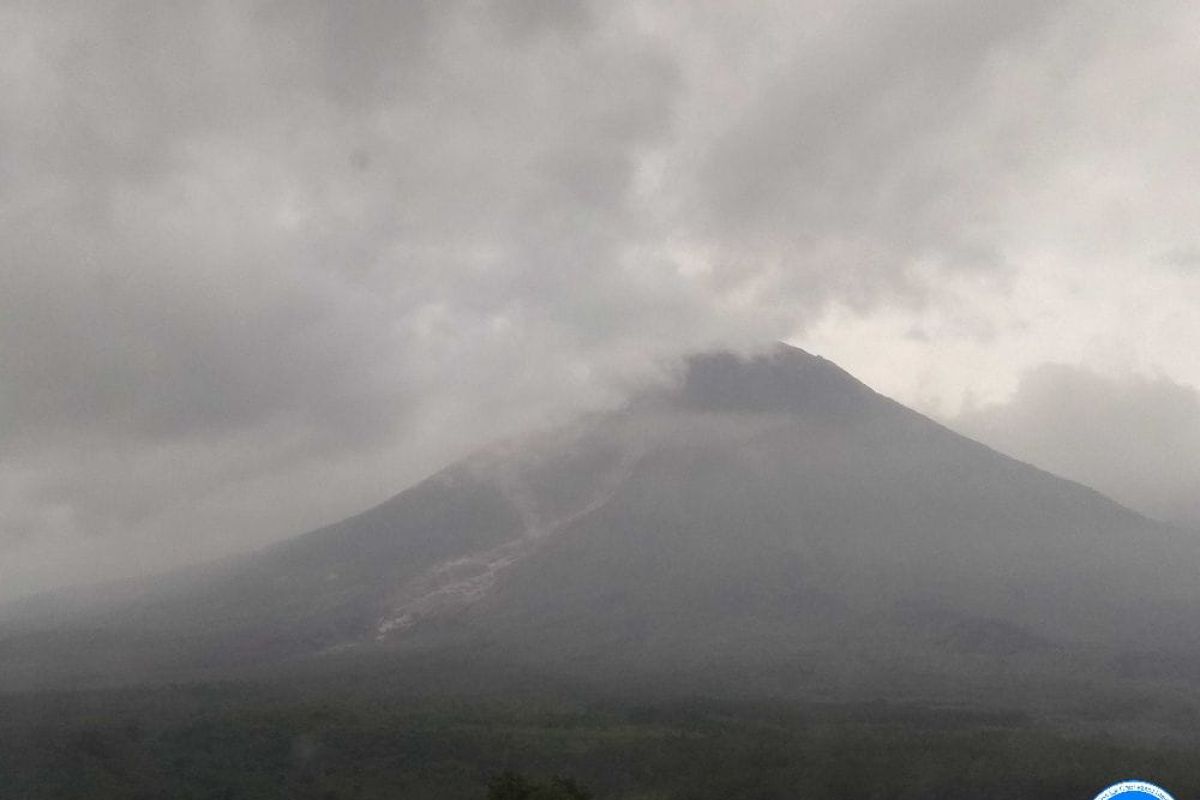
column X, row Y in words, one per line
column 509, row 785
column 245, row 743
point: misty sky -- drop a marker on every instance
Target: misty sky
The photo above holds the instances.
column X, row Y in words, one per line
column 263, row 264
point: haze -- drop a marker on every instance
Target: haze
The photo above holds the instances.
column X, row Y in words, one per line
column 265, row 264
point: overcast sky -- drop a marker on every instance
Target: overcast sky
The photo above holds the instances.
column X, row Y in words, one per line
column 265, row 263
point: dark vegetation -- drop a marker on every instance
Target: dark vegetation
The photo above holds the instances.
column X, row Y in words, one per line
column 510, row 785
column 239, row 741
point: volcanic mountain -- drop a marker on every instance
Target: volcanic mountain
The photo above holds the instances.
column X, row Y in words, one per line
column 767, row 524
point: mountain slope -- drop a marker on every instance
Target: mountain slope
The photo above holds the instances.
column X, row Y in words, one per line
column 769, row 522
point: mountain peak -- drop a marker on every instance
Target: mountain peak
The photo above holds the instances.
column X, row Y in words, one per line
column 784, row 379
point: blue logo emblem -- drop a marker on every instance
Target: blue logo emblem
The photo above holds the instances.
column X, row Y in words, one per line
column 1133, row 790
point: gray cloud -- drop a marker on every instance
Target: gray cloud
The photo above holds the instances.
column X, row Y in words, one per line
column 1136, row 439
column 267, row 261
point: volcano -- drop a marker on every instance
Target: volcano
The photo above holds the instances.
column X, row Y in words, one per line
column 766, row 524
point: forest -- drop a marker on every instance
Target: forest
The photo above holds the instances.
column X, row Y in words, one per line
column 228, row 741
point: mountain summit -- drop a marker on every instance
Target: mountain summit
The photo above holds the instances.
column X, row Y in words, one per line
column 769, row 523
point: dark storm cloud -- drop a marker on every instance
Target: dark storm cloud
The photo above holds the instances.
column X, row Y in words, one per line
column 242, row 239
column 1136, row 439
column 249, row 209
column 266, row 261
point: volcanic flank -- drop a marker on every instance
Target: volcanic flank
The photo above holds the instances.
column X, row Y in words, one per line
column 769, row 524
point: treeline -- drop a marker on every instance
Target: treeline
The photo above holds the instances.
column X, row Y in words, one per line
column 214, row 743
